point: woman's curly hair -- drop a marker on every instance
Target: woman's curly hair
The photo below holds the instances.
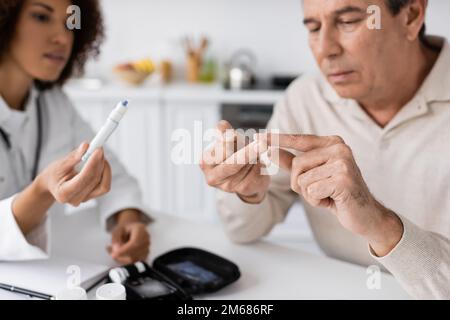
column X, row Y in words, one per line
column 87, row 39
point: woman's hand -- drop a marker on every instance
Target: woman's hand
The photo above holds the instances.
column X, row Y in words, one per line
column 67, row 186
column 62, row 183
column 130, row 238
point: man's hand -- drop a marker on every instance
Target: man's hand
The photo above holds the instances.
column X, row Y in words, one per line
column 326, row 175
column 130, row 239
column 233, row 166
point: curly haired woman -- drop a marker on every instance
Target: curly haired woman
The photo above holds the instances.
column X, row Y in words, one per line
column 41, row 134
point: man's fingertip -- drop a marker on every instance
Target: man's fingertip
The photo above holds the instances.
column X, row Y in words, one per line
column 223, row 125
column 229, row 135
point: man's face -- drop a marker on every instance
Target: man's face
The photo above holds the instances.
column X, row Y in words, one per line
column 360, row 63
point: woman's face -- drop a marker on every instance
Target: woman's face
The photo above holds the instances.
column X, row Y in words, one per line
column 42, row 44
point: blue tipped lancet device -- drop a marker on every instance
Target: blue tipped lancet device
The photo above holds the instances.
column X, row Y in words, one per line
column 107, row 130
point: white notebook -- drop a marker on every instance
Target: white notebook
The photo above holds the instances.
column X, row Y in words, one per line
column 52, row 275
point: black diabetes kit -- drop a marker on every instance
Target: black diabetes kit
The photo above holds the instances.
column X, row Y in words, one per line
column 177, row 275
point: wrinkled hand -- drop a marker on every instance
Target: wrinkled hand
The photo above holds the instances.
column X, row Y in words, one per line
column 233, row 165
column 325, row 173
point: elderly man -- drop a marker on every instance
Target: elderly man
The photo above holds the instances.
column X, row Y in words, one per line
column 369, row 147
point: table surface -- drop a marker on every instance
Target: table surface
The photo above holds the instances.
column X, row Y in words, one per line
column 269, row 270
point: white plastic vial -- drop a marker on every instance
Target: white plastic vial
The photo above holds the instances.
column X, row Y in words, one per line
column 75, row 293
column 111, row 291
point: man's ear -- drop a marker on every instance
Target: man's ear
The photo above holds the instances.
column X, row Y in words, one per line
column 415, row 13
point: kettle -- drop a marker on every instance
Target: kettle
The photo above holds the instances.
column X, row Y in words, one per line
column 240, row 70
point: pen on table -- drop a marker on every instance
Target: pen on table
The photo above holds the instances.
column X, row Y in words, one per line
column 30, row 293
column 103, row 279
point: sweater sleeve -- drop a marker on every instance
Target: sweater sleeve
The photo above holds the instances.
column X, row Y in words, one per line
column 420, row 262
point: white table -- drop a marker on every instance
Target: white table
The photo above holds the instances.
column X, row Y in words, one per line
column 269, row 271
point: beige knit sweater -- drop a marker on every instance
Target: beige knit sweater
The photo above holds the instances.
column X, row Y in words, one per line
column 406, row 166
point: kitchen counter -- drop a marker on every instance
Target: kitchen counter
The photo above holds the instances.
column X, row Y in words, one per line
column 177, row 91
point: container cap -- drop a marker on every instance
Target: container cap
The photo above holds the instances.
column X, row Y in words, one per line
column 111, row 291
column 75, row 293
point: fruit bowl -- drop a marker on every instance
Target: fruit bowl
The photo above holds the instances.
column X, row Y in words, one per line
column 135, row 73
column 131, row 76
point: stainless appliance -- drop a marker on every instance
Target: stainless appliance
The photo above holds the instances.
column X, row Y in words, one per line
column 240, row 70
column 254, row 116
column 247, row 116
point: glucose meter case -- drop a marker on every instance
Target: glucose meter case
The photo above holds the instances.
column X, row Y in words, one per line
column 176, row 275
column 197, row 271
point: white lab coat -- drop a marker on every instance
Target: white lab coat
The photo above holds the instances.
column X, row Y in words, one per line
column 63, row 131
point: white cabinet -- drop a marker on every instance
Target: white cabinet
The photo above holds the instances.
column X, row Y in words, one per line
column 186, row 125
column 139, row 147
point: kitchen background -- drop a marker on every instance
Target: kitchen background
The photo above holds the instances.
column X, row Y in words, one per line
column 271, row 28
column 141, row 29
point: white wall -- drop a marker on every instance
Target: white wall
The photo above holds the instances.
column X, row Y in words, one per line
column 438, row 21
column 271, row 28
